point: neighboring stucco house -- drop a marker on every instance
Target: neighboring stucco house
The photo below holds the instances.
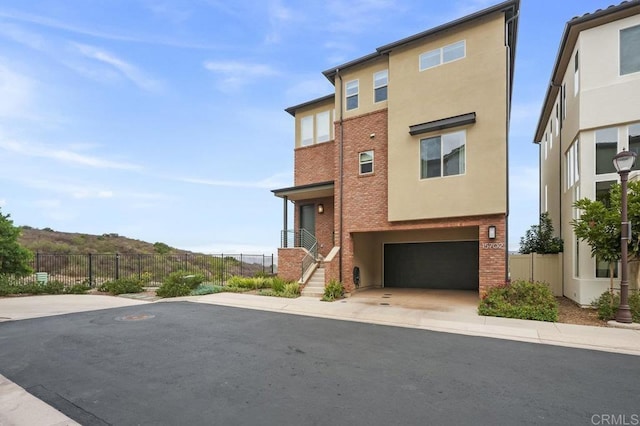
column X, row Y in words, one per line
column 401, row 174
column 591, row 112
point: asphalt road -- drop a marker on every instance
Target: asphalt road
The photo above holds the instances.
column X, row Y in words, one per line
column 187, row 363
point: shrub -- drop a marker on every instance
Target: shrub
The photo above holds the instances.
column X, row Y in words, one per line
column 607, row 305
column 53, row 287
column 522, row 300
column 121, row 286
column 278, row 284
column 173, row 289
column 332, row 291
column 249, row 283
column 207, row 289
column 291, row 290
column 182, row 277
column 77, row 289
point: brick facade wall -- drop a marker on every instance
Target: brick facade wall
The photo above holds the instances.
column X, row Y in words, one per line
column 314, row 163
column 290, row 263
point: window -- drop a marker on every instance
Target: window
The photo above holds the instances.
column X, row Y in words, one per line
column 306, row 129
column 606, row 149
column 630, row 50
column 564, row 101
column 576, row 76
column 602, row 192
column 557, row 119
column 449, row 53
column 366, row 162
column 323, row 126
column 315, row 128
column 634, row 143
column 602, row 269
column 550, row 134
column 442, row 155
column 572, row 162
column 352, row 94
column 380, row 81
column 576, row 258
column 546, row 147
column 546, row 198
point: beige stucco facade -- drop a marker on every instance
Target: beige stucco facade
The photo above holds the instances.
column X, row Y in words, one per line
column 476, row 83
column 385, row 203
column 598, row 98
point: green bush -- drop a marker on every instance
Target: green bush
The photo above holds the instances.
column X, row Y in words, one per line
column 207, row 289
column 522, row 300
column 278, row 284
column 607, row 305
column 332, row 291
column 77, row 289
column 182, row 277
column 173, row 289
column 291, row 290
column 121, row 286
column 249, row 283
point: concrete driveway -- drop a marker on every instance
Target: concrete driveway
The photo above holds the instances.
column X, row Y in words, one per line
column 459, row 302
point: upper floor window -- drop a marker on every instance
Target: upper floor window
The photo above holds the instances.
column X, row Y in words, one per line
column 576, row 75
column 606, row 149
column 366, row 162
column 557, row 119
column 352, row 94
column 572, row 164
column 634, row 143
column 323, row 126
column 564, row 101
column 380, row 82
column 630, row 50
column 315, row 128
column 306, row 130
column 443, row 155
column 449, row 53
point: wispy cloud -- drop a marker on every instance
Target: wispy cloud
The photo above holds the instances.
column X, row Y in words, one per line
column 271, row 182
column 168, row 11
column 64, row 155
column 16, row 93
column 128, row 70
column 236, row 74
column 280, row 18
column 107, row 34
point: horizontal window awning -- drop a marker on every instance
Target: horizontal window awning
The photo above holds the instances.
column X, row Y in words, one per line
column 306, row 192
column 444, row 123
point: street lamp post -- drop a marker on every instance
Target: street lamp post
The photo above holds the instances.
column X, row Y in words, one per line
column 623, row 162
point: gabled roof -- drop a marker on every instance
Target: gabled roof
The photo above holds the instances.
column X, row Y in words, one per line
column 568, row 42
column 510, row 7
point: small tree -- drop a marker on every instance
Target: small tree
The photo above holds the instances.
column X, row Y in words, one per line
column 14, row 259
column 161, row 248
column 539, row 239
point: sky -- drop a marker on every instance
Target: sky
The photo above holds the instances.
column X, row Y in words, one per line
column 163, row 120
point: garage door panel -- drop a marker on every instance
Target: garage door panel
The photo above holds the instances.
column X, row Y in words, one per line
column 441, row 265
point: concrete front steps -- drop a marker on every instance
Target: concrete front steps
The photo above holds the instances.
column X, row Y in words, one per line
column 315, row 285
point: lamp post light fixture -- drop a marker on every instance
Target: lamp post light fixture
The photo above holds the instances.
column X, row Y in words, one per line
column 623, row 162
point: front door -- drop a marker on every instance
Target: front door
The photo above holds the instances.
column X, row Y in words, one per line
column 308, row 218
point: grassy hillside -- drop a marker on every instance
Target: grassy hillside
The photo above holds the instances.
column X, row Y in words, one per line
column 49, row 241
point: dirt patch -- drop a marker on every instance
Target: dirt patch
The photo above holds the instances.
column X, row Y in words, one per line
column 570, row 313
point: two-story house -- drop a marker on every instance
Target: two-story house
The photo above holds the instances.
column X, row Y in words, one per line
column 591, row 112
column 401, row 174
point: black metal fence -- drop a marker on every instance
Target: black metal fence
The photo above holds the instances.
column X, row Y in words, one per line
column 95, row 269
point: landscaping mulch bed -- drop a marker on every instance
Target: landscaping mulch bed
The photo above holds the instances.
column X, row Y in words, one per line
column 570, row 313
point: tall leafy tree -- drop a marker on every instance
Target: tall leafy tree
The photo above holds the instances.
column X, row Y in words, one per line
column 540, row 239
column 599, row 225
column 14, row 259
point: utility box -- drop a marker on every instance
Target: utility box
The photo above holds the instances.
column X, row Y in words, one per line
column 42, row 277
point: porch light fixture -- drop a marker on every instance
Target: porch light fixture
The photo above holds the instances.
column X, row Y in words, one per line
column 492, row 232
column 623, row 162
column 320, row 208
